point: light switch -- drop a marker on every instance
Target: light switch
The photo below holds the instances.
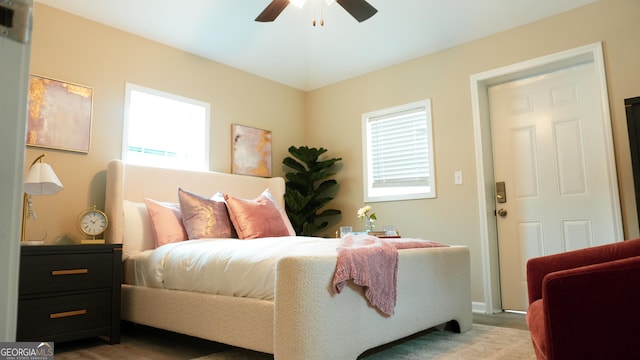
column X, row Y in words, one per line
column 457, row 177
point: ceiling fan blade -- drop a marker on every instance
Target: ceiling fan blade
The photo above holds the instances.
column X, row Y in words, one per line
column 359, row 9
column 272, row 10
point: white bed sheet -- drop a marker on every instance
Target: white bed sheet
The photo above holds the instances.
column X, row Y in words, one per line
column 232, row 267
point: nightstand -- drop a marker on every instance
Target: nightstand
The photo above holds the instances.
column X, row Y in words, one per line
column 69, row 292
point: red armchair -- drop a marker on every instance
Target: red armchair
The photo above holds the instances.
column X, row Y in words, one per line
column 585, row 304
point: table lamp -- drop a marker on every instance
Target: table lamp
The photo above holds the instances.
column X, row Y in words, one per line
column 40, row 180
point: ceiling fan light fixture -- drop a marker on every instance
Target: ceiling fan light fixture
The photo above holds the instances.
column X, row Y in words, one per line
column 361, row 10
column 298, row 3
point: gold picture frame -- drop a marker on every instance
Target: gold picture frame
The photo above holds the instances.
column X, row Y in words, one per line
column 250, row 151
column 60, row 115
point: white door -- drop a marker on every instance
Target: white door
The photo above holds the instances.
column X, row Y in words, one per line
column 549, row 150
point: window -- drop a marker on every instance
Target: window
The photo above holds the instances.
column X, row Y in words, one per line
column 398, row 153
column 165, row 130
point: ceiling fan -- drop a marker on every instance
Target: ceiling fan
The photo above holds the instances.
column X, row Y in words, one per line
column 359, row 9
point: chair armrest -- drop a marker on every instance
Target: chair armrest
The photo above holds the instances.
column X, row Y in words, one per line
column 539, row 267
column 592, row 311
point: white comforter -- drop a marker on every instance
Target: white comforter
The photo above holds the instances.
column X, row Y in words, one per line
column 232, row 267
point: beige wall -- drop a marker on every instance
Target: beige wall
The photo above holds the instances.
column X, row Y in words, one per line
column 73, row 49
column 76, row 50
column 334, row 117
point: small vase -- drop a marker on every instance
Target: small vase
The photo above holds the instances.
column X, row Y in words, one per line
column 369, row 225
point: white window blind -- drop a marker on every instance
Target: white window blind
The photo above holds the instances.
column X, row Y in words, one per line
column 399, row 153
column 400, row 149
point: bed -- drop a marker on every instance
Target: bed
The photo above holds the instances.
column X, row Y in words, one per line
column 305, row 319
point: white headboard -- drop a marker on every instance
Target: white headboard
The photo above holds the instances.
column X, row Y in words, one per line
column 134, row 183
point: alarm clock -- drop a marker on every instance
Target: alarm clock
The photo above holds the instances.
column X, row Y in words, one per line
column 93, row 222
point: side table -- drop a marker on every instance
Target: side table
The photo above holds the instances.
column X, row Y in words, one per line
column 69, row 292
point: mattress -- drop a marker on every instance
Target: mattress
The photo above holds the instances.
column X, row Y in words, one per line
column 232, row 267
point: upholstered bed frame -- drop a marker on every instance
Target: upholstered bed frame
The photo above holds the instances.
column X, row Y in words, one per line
column 306, row 320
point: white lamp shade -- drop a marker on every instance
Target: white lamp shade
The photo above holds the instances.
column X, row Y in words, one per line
column 42, row 180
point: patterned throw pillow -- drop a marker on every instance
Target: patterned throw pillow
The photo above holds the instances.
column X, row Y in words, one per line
column 205, row 218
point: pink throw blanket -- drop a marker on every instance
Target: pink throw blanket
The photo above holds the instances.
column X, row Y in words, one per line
column 373, row 264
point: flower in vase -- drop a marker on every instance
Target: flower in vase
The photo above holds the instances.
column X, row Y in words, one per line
column 365, row 214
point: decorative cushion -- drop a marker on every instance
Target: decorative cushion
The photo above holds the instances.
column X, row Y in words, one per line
column 166, row 221
column 205, row 218
column 137, row 234
column 255, row 218
column 282, row 211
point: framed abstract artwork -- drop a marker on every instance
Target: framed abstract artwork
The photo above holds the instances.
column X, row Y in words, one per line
column 59, row 115
column 251, row 151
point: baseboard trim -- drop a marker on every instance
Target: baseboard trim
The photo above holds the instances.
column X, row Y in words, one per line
column 481, row 308
column 478, row 307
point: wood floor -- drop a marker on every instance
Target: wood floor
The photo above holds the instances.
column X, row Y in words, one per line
column 142, row 343
column 504, row 319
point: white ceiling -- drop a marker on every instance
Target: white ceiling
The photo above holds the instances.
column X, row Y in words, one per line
column 293, row 52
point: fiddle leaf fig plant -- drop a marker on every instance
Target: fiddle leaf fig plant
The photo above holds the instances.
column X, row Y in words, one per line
column 307, row 186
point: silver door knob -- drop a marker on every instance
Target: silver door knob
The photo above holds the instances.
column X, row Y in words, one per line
column 502, row 212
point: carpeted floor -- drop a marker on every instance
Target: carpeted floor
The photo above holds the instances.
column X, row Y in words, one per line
column 507, row 341
column 481, row 342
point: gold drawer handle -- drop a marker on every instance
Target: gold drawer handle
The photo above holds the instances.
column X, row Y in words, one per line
column 67, row 314
column 69, row 272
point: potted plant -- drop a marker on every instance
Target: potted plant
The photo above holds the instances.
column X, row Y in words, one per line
column 307, row 186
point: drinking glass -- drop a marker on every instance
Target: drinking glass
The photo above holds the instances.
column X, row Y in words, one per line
column 345, row 230
column 391, row 230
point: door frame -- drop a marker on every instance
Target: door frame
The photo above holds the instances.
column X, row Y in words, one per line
column 14, row 83
column 484, row 156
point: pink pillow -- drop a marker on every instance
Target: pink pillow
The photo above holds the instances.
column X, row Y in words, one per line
column 282, row 211
column 255, row 218
column 166, row 222
column 205, row 218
